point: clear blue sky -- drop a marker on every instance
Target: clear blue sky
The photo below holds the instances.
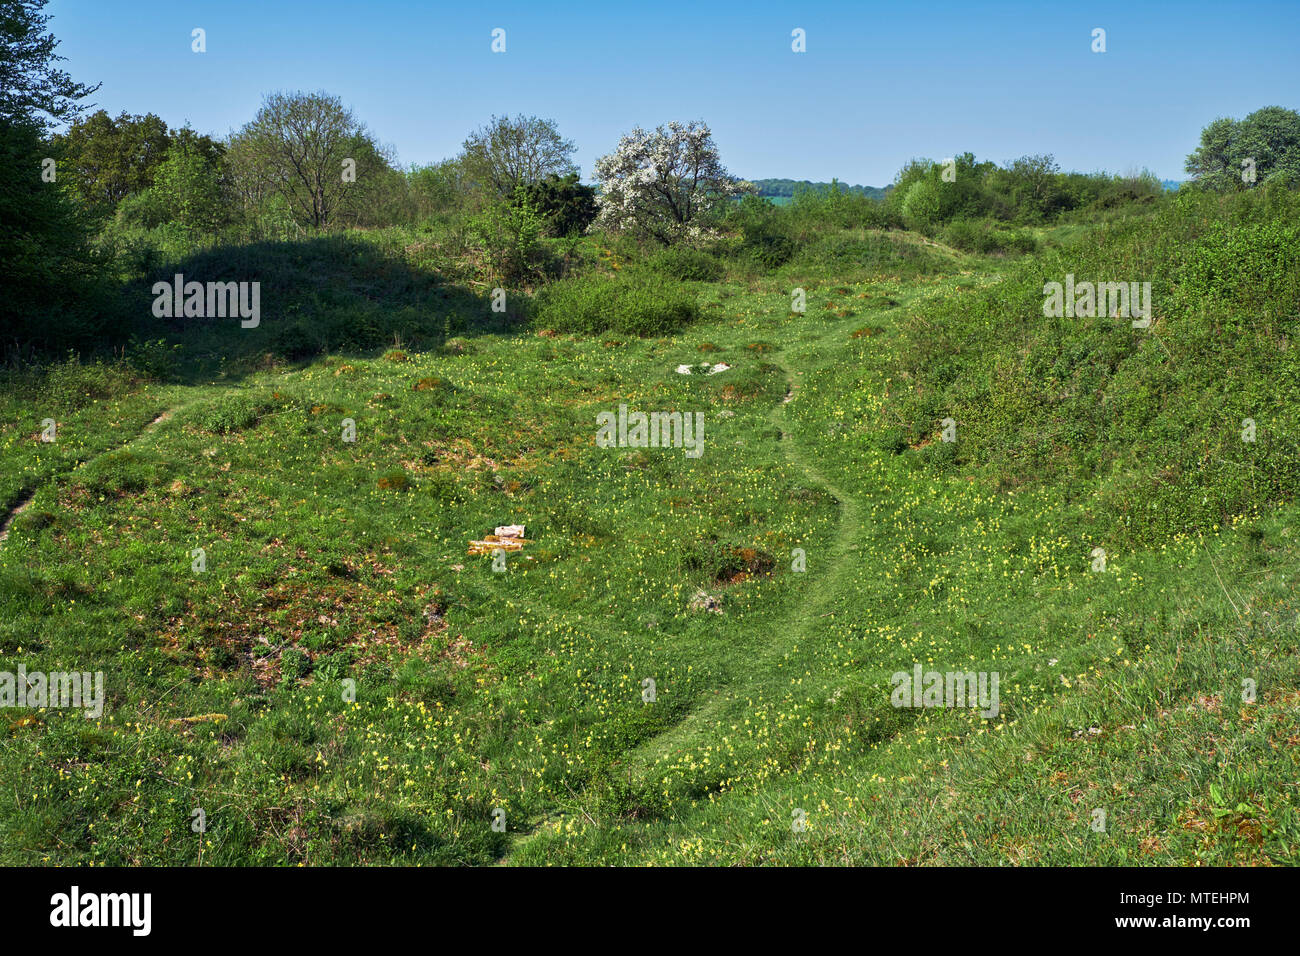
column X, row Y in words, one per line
column 880, row 82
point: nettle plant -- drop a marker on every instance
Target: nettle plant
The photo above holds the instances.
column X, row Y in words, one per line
column 666, row 185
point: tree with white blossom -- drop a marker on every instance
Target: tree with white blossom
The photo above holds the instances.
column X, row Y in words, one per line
column 666, row 184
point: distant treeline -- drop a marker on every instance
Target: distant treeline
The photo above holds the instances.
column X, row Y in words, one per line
column 93, row 203
column 783, row 188
column 788, row 187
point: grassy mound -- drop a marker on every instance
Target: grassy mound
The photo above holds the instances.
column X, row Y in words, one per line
column 1182, row 425
column 352, row 293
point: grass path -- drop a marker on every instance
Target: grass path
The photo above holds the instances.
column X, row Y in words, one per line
column 26, row 500
column 829, row 576
column 23, row 504
column 830, row 584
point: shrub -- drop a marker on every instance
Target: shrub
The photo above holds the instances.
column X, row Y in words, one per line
column 566, row 204
column 764, row 239
column 296, row 341
column 768, row 251
column 983, row 236
column 146, row 209
column 155, row 357
column 923, row 205
column 189, row 186
column 814, row 210
column 685, row 263
column 509, row 234
column 629, row 303
column 1250, row 264
column 876, row 253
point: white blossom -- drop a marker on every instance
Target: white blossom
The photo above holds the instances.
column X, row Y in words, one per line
column 664, row 184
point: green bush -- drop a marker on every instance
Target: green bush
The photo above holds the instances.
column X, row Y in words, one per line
column 567, row 205
column 923, row 205
column 155, row 357
column 687, row 264
column 509, row 236
column 985, row 237
column 816, row 210
column 875, row 253
column 1251, row 263
column 768, row 251
column 632, row 304
column 190, row 188
column 765, row 241
column 146, row 209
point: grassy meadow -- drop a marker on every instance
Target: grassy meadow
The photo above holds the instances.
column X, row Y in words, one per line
column 345, row 684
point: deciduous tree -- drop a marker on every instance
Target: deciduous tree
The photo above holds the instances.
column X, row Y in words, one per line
column 509, row 153
column 298, row 145
column 1266, row 144
column 668, row 184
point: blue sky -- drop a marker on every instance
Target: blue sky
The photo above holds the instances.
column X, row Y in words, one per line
column 879, row 84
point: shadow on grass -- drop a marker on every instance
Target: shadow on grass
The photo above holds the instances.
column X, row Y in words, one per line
column 330, row 294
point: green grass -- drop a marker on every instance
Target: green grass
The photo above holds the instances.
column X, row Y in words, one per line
column 330, row 561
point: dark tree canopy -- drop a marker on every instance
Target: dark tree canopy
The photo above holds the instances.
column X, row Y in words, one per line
column 104, row 160
column 567, row 205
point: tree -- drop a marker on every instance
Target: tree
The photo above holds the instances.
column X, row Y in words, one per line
column 104, row 160
column 32, row 90
column 566, row 204
column 509, row 153
column 929, row 194
column 507, row 233
column 667, row 185
column 439, row 189
column 1034, row 186
column 1265, row 143
column 45, row 261
column 312, row 151
column 190, row 186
